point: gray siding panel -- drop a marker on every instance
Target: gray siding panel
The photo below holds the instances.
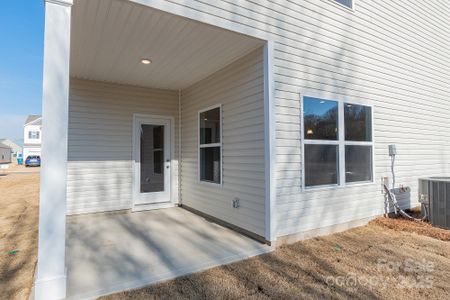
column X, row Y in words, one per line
column 239, row 89
column 100, row 141
column 393, row 54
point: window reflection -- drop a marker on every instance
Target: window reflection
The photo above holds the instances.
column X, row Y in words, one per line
column 358, row 122
column 210, row 126
column 358, row 163
column 321, row 164
column 320, row 119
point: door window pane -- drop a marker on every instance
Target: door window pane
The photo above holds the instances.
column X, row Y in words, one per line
column 158, row 161
column 158, row 137
column 320, row 119
column 358, row 163
column 358, row 122
column 210, row 126
column 210, row 164
column 321, row 164
column 152, row 158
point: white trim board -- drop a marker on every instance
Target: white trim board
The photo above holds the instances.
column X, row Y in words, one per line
column 270, row 156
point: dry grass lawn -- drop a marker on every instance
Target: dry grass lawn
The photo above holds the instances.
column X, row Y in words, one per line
column 389, row 258
column 371, row 262
column 15, row 168
column 19, row 194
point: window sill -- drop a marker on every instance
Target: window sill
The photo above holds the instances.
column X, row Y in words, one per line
column 207, row 183
column 336, row 186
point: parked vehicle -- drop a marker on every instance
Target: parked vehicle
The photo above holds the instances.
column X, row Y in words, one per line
column 33, row 161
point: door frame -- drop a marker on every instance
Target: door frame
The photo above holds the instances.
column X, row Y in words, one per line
column 136, row 166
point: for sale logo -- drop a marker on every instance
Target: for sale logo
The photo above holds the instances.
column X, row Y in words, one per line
column 409, row 273
column 412, row 273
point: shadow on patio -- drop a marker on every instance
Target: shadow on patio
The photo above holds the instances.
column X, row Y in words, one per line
column 116, row 251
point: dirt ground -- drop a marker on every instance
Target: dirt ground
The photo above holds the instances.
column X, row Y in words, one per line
column 389, row 258
column 19, row 194
column 422, row 228
column 15, row 168
column 370, row 262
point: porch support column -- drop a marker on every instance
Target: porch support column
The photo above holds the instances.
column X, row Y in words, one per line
column 270, row 145
column 51, row 272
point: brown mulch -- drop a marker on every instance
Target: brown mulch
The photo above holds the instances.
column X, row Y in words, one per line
column 19, row 200
column 422, row 228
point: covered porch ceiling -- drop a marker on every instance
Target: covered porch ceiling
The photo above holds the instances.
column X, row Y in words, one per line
column 110, row 38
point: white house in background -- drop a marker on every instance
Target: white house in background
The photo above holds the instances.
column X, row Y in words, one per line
column 270, row 117
column 32, row 136
column 5, row 154
column 16, row 149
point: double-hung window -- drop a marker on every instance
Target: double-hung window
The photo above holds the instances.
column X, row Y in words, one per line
column 337, row 143
column 33, row 135
column 210, row 145
column 358, row 143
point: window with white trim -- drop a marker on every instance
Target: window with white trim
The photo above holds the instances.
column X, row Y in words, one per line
column 33, row 135
column 346, row 3
column 337, row 143
column 210, row 145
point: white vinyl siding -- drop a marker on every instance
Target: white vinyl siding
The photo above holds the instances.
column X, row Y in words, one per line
column 240, row 91
column 393, row 54
column 5, row 154
column 100, row 142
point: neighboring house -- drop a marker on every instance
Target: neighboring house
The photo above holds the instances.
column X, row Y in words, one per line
column 5, row 154
column 16, row 149
column 32, row 136
column 272, row 117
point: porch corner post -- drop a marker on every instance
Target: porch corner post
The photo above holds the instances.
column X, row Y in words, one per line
column 270, row 156
column 51, row 271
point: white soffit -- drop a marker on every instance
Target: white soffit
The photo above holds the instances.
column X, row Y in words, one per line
column 110, row 37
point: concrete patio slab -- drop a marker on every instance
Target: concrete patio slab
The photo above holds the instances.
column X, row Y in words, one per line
column 106, row 253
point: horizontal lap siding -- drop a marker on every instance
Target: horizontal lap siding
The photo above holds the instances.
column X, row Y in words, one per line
column 393, row 54
column 100, row 141
column 239, row 88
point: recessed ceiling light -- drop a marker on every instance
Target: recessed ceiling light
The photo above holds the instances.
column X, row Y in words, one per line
column 146, row 61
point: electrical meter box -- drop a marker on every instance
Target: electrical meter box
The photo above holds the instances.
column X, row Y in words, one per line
column 392, row 150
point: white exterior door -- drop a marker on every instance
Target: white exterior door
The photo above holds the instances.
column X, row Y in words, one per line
column 152, row 160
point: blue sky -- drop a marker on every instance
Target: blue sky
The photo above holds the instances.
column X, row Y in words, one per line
column 21, row 50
